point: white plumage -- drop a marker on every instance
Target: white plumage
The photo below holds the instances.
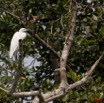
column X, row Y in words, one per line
column 14, row 46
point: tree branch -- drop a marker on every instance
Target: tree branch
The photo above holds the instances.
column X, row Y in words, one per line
column 87, row 74
column 67, row 46
column 69, row 38
column 20, row 94
column 4, row 90
column 25, row 94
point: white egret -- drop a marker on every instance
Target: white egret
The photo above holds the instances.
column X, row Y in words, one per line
column 21, row 34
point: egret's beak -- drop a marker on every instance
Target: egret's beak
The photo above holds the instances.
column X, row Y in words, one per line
column 31, row 32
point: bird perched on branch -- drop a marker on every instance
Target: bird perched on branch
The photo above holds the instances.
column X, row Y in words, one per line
column 20, row 35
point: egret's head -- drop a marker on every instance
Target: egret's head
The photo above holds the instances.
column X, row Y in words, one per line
column 28, row 31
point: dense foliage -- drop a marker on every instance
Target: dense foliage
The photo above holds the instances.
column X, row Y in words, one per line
column 52, row 26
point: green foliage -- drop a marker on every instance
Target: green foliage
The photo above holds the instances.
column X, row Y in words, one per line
column 54, row 16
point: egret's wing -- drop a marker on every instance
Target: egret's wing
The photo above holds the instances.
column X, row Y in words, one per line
column 14, row 44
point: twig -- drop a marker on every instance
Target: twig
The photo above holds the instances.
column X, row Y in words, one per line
column 19, row 70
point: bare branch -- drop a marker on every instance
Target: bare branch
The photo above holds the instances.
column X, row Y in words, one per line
column 47, row 46
column 4, row 90
column 88, row 74
column 67, row 46
column 20, row 94
column 25, row 94
column 94, row 66
column 41, row 98
column 69, row 39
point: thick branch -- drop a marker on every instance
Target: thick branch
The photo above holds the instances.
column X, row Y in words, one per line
column 20, row 94
column 67, row 46
column 25, row 94
column 69, row 39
